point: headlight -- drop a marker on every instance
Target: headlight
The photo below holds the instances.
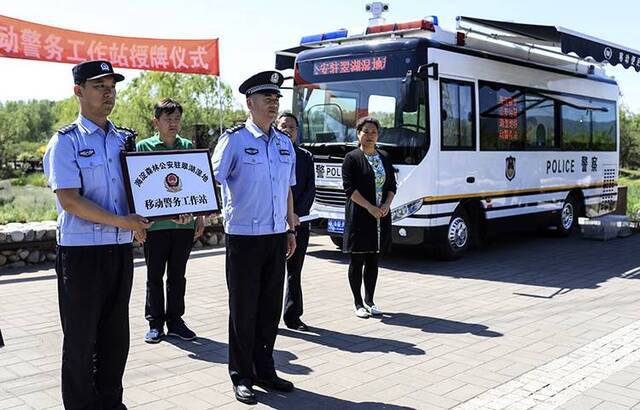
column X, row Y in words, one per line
column 406, row 210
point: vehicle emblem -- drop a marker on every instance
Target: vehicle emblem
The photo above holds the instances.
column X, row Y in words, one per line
column 320, row 171
column 510, row 170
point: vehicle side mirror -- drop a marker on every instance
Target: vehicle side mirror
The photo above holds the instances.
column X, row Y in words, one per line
column 428, row 71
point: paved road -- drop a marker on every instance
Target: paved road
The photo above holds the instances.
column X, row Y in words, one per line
column 529, row 322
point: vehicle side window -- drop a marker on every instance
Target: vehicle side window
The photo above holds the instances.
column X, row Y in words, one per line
column 457, row 115
column 514, row 118
column 588, row 125
column 540, row 122
column 502, row 125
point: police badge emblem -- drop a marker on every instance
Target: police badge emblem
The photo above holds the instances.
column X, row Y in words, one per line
column 104, row 67
column 510, row 168
column 275, row 78
column 172, row 183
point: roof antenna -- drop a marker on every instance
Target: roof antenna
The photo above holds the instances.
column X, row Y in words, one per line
column 376, row 9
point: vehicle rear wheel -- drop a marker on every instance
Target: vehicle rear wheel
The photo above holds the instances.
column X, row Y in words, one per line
column 337, row 240
column 457, row 237
column 567, row 219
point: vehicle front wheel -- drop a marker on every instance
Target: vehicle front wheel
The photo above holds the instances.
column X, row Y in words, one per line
column 337, row 240
column 457, row 237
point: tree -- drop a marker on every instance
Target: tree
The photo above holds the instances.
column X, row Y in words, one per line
column 629, row 138
column 204, row 99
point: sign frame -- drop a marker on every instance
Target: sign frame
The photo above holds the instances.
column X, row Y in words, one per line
column 172, row 155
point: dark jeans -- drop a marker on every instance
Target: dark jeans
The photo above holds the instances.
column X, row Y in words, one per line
column 356, row 274
column 169, row 250
column 293, row 299
column 255, row 278
column 94, row 285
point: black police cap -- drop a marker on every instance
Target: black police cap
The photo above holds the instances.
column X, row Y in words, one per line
column 92, row 70
column 266, row 82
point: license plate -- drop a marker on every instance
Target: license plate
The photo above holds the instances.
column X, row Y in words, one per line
column 328, row 172
column 335, row 226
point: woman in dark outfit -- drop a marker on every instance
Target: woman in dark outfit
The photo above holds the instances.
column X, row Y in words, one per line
column 370, row 184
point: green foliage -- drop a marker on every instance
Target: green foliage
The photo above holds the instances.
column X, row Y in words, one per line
column 201, row 97
column 34, row 179
column 26, row 126
column 631, row 179
column 26, row 204
column 629, row 138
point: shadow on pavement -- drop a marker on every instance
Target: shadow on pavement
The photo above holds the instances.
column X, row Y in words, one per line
column 529, row 258
column 434, row 325
column 304, row 399
column 215, row 352
column 353, row 343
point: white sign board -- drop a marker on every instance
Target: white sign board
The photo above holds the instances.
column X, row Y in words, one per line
column 165, row 184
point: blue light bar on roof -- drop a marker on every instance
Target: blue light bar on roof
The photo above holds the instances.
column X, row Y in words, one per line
column 434, row 19
column 333, row 35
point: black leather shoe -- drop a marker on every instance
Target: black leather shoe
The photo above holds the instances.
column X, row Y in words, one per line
column 275, row 383
column 299, row 325
column 245, row 394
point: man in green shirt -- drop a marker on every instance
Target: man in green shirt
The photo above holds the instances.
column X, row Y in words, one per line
column 168, row 243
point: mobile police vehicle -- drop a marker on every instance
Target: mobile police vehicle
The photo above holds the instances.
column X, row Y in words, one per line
column 495, row 124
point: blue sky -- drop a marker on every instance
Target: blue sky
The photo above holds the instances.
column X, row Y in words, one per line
column 250, row 31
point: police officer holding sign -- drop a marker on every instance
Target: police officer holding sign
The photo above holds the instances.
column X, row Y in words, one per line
column 255, row 164
column 94, row 261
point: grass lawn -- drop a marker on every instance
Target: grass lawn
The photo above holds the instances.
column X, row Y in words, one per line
column 26, row 203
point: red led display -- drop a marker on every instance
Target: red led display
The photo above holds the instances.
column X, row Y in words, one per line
column 508, row 119
column 354, row 65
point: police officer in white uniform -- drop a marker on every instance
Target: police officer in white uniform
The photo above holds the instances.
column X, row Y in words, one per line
column 255, row 164
column 94, row 262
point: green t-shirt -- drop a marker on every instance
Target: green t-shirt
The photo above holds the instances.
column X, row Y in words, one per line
column 155, row 144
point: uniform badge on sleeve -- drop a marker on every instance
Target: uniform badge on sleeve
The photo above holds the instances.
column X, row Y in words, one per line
column 172, row 183
column 86, row 152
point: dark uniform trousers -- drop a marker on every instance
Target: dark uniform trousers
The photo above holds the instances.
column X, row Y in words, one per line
column 255, row 268
column 94, row 286
column 166, row 249
column 293, row 299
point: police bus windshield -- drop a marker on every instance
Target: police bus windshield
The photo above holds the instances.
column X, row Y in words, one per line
column 330, row 111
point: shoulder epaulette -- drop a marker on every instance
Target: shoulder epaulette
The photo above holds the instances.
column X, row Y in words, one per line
column 280, row 132
column 235, row 128
column 128, row 131
column 67, row 129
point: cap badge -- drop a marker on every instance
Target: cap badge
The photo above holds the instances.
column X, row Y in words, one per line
column 104, row 67
column 274, row 78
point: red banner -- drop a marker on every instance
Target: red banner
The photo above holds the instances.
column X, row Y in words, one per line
column 22, row 39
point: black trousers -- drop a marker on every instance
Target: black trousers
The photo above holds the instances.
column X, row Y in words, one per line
column 168, row 250
column 293, row 299
column 356, row 274
column 255, row 279
column 94, row 286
